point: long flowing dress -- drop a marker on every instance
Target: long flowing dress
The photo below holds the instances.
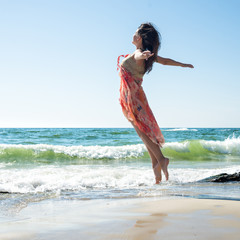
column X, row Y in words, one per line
column 133, row 100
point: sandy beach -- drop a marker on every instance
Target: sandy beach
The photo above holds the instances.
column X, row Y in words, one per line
column 178, row 218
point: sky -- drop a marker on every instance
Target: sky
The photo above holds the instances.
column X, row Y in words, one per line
column 58, row 62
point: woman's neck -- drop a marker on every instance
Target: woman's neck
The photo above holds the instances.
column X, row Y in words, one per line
column 139, row 46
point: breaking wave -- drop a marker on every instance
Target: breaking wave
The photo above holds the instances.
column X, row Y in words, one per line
column 189, row 149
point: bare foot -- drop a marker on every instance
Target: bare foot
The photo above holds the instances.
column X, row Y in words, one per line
column 164, row 168
column 158, row 179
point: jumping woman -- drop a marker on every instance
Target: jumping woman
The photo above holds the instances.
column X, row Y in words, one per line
column 133, row 99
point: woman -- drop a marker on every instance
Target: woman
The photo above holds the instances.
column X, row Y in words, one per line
column 132, row 97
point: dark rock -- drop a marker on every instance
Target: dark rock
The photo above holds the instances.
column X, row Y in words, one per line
column 3, row 192
column 223, row 177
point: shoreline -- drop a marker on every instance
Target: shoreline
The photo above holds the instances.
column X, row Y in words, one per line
column 137, row 218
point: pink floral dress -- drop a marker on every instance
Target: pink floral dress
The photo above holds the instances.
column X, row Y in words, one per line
column 133, row 100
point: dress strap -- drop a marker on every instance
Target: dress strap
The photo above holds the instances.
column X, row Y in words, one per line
column 118, row 60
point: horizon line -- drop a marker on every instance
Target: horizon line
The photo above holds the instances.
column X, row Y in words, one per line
column 114, row 127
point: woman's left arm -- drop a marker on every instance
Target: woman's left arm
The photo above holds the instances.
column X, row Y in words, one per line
column 170, row 62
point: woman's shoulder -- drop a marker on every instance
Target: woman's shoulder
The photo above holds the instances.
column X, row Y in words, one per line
column 137, row 51
column 131, row 61
column 140, row 63
column 132, row 55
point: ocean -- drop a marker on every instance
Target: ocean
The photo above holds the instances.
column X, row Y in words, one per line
column 106, row 163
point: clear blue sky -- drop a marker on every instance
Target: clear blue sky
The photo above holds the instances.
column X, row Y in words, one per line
column 58, row 62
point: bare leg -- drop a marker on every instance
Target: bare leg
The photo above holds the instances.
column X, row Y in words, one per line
column 156, row 167
column 156, row 152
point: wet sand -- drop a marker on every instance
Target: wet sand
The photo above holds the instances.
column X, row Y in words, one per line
column 181, row 218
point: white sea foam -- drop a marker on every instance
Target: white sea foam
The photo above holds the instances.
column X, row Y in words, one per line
column 98, row 177
column 231, row 145
column 178, row 146
column 2, row 165
column 179, row 129
column 90, row 152
column 52, row 178
column 192, row 174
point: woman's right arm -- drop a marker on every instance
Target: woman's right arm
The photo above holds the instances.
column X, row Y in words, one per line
column 170, row 62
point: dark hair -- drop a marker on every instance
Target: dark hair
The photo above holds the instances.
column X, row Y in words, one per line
column 150, row 41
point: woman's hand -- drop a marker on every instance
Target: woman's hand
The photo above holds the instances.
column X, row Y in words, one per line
column 147, row 54
column 187, row 65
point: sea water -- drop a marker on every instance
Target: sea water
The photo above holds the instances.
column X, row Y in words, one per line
column 103, row 163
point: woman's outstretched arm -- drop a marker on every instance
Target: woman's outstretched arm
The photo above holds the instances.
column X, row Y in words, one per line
column 170, row 62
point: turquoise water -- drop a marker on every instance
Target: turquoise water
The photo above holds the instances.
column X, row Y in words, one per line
column 99, row 163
